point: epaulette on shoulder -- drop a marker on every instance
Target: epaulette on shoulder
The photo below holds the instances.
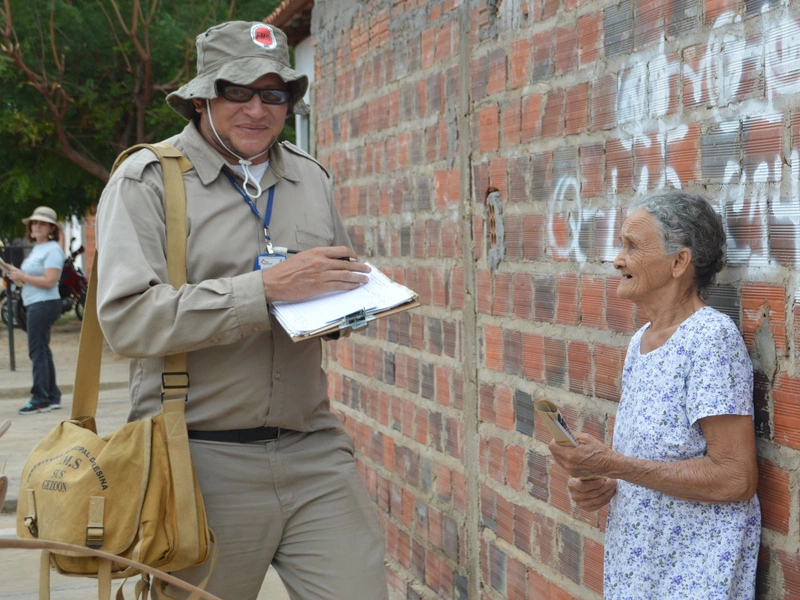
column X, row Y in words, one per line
column 299, row 152
column 134, row 163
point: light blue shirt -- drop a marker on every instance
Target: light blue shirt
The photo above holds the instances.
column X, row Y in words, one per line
column 43, row 256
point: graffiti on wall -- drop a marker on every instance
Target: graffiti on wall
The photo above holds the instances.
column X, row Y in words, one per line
column 740, row 158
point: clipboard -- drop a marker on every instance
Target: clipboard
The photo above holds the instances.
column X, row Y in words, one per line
column 357, row 320
column 4, row 267
column 334, row 311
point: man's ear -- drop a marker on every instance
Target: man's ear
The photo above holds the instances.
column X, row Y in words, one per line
column 199, row 105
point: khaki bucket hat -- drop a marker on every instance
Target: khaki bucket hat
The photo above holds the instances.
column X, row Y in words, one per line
column 239, row 52
column 45, row 214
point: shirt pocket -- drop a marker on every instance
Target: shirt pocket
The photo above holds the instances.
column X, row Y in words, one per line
column 313, row 239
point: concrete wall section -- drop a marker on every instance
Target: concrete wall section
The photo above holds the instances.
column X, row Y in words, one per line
column 484, row 152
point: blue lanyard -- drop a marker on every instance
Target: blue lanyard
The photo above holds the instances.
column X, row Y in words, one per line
column 267, row 214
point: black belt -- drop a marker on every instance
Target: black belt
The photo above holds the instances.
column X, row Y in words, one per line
column 239, row 436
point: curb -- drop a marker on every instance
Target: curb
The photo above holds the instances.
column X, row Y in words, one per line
column 21, row 392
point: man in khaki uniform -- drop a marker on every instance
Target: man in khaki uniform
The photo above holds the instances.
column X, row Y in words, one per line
column 277, row 472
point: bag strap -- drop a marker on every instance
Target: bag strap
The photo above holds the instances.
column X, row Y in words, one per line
column 85, row 551
column 175, row 379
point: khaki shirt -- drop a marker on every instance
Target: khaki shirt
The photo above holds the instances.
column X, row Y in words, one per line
column 244, row 370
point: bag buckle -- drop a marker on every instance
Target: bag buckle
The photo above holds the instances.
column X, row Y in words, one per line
column 94, row 537
column 30, row 523
column 174, row 380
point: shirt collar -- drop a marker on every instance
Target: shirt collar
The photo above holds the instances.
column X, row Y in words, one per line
column 208, row 163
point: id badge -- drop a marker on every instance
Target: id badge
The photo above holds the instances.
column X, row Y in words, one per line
column 265, row 261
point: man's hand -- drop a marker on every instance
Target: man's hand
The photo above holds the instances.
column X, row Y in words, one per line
column 590, row 457
column 592, row 494
column 314, row 272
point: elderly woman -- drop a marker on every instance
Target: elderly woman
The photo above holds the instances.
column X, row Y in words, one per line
column 684, row 520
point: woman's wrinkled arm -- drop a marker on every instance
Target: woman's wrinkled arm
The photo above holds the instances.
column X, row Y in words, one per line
column 728, row 472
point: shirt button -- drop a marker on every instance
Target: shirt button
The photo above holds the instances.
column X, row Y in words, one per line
column 277, row 375
column 256, row 328
column 215, row 341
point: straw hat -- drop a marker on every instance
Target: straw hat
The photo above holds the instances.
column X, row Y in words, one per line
column 45, row 214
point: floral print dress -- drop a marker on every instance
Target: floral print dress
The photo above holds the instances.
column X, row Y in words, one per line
column 658, row 546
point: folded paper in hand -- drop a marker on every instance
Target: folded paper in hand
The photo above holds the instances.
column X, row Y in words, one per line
column 330, row 312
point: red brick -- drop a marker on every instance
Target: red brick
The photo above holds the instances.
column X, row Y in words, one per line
column 544, row 537
column 493, row 341
column 590, row 38
column 497, row 72
column 505, row 520
column 559, row 493
column 648, row 18
column 504, row 408
column 553, row 119
column 790, row 569
column 620, row 314
column 579, row 357
column 608, row 371
column 760, row 301
column 566, row 54
column 577, row 99
column 773, row 493
column 797, row 323
column 593, row 565
column 683, row 154
column 604, row 102
column 520, row 62
column 444, row 42
column 532, row 236
column 459, row 492
column 592, row 169
column 619, row 166
column 515, row 462
column 558, row 236
column 531, row 127
column 487, row 403
column 511, row 120
column 593, row 291
column 501, row 305
column 533, row 357
column 648, row 162
column 428, row 48
column 523, row 295
column 498, row 175
column 567, row 306
column 489, row 131
column 786, row 402
column 516, row 580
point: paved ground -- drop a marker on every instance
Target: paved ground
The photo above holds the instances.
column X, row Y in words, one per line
column 19, row 568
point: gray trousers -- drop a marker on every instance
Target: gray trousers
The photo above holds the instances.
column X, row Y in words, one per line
column 296, row 503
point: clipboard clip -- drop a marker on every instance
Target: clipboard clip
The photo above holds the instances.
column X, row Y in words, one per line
column 356, row 320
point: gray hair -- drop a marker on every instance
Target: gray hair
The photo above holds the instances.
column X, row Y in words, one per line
column 689, row 221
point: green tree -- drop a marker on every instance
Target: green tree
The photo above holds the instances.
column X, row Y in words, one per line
column 84, row 79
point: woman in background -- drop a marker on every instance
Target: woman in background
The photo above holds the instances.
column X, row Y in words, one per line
column 39, row 276
column 684, row 520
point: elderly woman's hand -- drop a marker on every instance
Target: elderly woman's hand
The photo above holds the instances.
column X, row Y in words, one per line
column 590, row 457
column 592, row 494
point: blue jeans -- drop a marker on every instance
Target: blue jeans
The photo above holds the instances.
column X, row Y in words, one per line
column 40, row 317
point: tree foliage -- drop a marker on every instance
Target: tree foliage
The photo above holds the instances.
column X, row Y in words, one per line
column 84, row 79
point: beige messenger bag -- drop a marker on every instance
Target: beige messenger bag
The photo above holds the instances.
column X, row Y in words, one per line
column 133, row 493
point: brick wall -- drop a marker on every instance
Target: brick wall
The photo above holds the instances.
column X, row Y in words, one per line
column 559, row 111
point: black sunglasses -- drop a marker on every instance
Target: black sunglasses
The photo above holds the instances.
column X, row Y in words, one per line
column 241, row 93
